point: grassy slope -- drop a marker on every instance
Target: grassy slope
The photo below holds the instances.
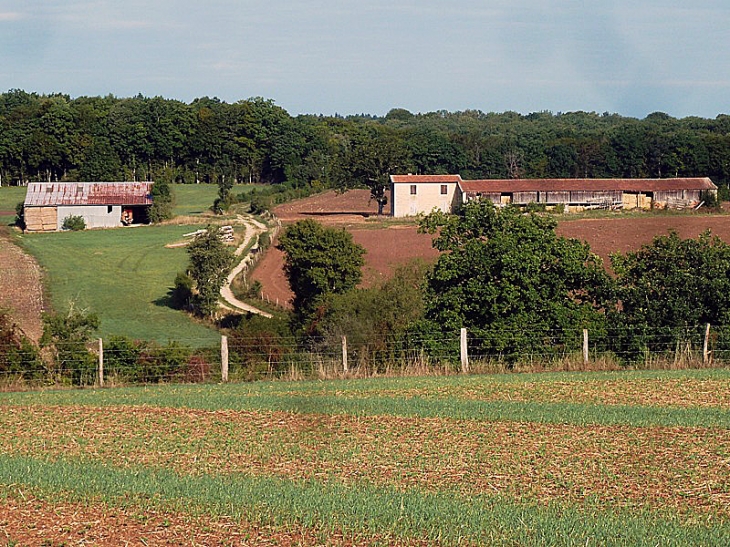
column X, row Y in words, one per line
column 122, row 275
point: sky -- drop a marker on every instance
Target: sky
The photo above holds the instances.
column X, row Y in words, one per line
column 631, row 57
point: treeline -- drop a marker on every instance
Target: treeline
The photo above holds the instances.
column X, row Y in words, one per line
column 56, row 137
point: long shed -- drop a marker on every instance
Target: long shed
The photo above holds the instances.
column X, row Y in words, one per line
column 414, row 194
column 100, row 204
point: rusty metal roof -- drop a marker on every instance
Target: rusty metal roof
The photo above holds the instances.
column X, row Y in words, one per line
column 88, row 193
column 565, row 185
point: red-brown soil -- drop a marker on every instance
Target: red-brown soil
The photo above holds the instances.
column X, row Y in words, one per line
column 622, row 234
column 386, row 249
column 390, row 246
column 21, row 290
column 331, row 206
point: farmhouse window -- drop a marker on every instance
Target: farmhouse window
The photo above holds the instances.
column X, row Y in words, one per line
column 413, row 189
column 444, row 189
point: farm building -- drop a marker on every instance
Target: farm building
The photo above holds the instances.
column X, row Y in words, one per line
column 100, row 204
column 413, row 194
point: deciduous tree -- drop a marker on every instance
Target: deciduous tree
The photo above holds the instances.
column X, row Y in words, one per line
column 510, row 279
column 318, row 261
column 210, row 262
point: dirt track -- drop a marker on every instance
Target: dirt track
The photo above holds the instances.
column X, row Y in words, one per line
column 21, row 289
column 397, row 244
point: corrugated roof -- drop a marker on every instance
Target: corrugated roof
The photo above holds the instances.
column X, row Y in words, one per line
column 88, row 193
column 415, row 179
column 565, row 185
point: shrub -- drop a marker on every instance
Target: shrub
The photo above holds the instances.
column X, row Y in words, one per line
column 710, row 198
column 74, row 223
column 67, row 336
column 20, row 215
column 182, row 293
column 162, row 363
column 18, row 355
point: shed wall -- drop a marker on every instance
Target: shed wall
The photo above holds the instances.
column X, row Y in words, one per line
column 95, row 216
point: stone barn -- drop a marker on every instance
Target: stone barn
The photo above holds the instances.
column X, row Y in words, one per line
column 100, row 204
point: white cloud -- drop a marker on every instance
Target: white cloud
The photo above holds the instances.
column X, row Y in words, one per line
column 11, row 16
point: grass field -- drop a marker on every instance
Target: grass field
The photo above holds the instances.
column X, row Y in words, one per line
column 10, row 196
column 554, row 459
column 122, row 275
column 196, row 199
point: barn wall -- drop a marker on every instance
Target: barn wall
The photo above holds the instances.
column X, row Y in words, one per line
column 96, row 216
column 40, row 219
column 523, row 198
column 556, row 197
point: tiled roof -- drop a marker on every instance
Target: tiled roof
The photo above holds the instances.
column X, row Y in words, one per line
column 415, row 179
column 565, row 185
column 88, row 193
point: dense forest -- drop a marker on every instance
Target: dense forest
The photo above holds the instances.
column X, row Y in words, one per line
column 56, row 137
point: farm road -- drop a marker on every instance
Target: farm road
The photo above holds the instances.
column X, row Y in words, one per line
column 253, row 229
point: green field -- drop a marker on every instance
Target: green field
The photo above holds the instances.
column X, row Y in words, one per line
column 123, row 275
column 451, row 460
column 10, row 196
column 196, row 199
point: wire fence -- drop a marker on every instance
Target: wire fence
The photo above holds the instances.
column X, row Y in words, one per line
column 264, row 355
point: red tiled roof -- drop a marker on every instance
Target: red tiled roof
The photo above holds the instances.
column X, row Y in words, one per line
column 415, row 179
column 88, row 193
column 566, row 185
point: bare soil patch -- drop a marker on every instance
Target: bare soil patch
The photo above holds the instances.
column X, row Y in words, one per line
column 21, row 288
column 330, row 208
column 622, row 234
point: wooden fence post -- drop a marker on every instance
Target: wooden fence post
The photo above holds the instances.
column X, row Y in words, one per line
column 464, row 352
column 344, row 353
column 100, row 371
column 224, row 358
column 705, row 347
column 585, row 346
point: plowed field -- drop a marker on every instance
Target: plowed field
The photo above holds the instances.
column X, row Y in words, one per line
column 391, row 245
column 228, row 465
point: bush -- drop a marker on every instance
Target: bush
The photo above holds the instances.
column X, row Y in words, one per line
column 162, row 363
column 182, row 293
column 20, row 215
column 74, row 223
column 18, row 355
column 67, row 336
column 162, row 202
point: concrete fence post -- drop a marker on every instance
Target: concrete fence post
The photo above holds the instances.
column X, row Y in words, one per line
column 344, row 354
column 224, row 358
column 464, row 352
column 706, row 346
column 100, row 371
column 585, row 346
